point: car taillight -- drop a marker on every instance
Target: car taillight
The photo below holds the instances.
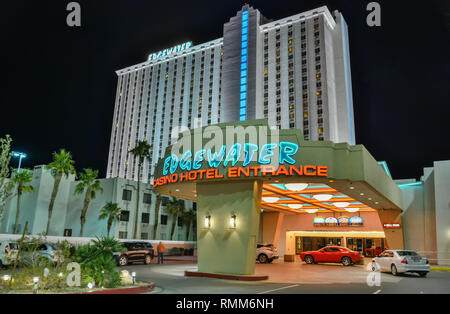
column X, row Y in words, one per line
column 7, row 249
column 404, row 261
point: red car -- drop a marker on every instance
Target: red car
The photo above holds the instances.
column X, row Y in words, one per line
column 331, row 254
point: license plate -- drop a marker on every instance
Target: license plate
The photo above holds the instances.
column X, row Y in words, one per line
column 416, row 259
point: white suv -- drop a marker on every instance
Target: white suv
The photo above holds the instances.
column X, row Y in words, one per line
column 8, row 252
column 266, row 253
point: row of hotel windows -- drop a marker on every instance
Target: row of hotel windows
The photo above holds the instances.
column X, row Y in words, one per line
column 152, row 130
column 291, row 78
column 144, row 236
column 145, row 218
column 147, row 198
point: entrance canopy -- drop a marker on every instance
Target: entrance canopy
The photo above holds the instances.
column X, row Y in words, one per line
column 298, row 176
column 236, row 171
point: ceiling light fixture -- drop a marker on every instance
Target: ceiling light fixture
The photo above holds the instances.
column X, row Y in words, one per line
column 341, row 204
column 311, row 211
column 296, row 186
column 295, row 206
column 352, row 210
column 270, row 199
column 323, row 197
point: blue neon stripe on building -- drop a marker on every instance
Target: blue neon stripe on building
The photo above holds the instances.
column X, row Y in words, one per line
column 243, row 85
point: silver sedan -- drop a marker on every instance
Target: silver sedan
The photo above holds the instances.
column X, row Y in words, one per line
column 401, row 261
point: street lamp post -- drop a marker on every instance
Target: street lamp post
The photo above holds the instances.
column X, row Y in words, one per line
column 20, row 155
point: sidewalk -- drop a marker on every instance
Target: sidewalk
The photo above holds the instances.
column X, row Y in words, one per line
column 175, row 258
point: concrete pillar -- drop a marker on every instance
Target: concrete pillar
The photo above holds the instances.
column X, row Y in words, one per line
column 222, row 250
column 394, row 237
column 289, row 255
column 271, row 227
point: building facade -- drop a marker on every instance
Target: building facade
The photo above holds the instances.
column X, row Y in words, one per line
column 295, row 72
column 67, row 210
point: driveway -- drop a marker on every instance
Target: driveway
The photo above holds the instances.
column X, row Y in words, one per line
column 295, row 278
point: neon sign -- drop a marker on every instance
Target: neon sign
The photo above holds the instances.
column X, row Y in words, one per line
column 169, row 51
column 191, row 164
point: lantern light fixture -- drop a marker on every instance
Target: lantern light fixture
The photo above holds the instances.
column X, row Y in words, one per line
column 233, row 222
column 208, row 221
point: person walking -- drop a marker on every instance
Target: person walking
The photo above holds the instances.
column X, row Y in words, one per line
column 160, row 249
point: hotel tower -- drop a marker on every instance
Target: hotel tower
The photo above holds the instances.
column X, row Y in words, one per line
column 295, row 72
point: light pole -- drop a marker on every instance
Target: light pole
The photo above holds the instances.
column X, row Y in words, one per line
column 20, row 155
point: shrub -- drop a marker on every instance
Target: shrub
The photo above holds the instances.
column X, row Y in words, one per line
column 97, row 262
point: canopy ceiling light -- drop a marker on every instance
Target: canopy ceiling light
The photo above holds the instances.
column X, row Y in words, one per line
column 270, row 199
column 295, row 206
column 323, row 197
column 311, row 211
column 352, row 210
column 296, row 186
column 341, row 204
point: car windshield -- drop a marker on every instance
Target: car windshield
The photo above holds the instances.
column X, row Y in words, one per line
column 407, row 253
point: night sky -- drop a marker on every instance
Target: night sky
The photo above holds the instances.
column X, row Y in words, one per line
column 58, row 83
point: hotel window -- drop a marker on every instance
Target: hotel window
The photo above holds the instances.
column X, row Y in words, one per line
column 125, row 215
column 123, row 234
column 145, row 218
column 147, row 198
column 126, row 194
column 163, row 219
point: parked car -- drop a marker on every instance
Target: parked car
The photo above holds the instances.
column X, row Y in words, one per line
column 266, row 253
column 8, row 253
column 401, row 261
column 42, row 252
column 331, row 254
column 135, row 252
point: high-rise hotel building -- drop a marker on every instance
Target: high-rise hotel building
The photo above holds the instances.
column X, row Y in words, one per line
column 295, row 72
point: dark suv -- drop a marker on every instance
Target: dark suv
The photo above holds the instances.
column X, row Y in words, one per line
column 135, row 252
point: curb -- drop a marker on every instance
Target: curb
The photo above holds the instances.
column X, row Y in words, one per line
column 439, row 268
column 223, row 276
column 132, row 290
column 176, row 260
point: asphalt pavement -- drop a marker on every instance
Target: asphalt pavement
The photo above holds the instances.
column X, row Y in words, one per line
column 169, row 278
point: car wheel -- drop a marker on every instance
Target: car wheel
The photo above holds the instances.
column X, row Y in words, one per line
column 147, row 259
column 423, row 274
column 309, row 259
column 262, row 258
column 123, row 260
column 394, row 270
column 346, row 261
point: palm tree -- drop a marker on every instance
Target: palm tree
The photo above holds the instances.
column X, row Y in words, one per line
column 112, row 212
column 189, row 217
column 21, row 178
column 62, row 164
column 90, row 184
column 142, row 152
column 157, row 206
column 176, row 208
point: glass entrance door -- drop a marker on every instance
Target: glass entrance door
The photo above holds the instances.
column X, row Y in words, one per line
column 355, row 244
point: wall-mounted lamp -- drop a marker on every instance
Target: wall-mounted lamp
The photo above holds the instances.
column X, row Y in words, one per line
column 233, row 222
column 208, row 221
